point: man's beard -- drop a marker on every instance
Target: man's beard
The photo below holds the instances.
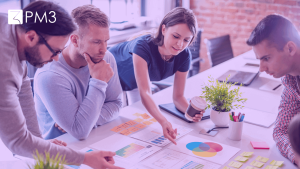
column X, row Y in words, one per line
column 33, row 56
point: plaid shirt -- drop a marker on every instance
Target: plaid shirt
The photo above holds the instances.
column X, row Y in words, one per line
column 288, row 108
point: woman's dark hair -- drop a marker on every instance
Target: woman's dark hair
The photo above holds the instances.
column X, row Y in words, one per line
column 294, row 133
column 63, row 24
column 176, row 16
column 277, row 29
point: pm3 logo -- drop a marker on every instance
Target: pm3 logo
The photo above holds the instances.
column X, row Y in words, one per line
column 16, row 17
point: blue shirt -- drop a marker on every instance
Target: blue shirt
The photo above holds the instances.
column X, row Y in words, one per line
column 158, row 68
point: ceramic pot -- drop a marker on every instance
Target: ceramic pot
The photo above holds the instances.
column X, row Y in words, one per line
column 220, row 119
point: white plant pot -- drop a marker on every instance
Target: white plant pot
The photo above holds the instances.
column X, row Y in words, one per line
column 220, row 119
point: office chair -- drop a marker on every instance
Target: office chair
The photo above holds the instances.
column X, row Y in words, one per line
column 219, row 50
column 195, row 64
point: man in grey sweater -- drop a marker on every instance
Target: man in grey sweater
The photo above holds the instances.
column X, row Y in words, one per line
column 78, row 94
column 38, row 43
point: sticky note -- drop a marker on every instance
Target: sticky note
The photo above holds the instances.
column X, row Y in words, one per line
column 277, row 163
column 124, row 125
column 262, row 159
column 137, row 114
column 153, row 120
column 116, row 129
column 271, row 167
column 147, row 122
column 257, row 164
column 247, row 154
column 145, row 116
column 241, row 159
column 259, row 145
column 235, row 164
column 226, row 167
column 249, row 167
column 133, row 129
column 138, row 120
column 140, row 126
column 125, row 132
column 131, row 122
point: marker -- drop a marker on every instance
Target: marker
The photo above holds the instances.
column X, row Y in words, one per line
column 230, row 117
column 242, row 118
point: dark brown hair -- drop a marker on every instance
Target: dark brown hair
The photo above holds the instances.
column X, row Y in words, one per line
column 176, row 16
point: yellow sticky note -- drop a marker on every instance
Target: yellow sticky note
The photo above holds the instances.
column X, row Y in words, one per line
column 235, row 164
column 145, row 116
column 153, row 120
column 279, row 163
column 272, row 162
column 138, row 120
column 271, row 167
column 131, row 123
column 226, row 167
column 247, row 154
column 262, row 159
column 147, row 122
column 257, row 164
column 249, row 167
column 241, row 159
column 137, row 114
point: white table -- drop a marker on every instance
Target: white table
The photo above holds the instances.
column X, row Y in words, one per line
column 257, row 99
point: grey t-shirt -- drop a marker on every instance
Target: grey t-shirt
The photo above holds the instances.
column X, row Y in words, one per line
column 73, row 100
column 19, row 128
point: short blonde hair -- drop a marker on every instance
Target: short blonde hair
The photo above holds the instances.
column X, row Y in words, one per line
column 85, row 15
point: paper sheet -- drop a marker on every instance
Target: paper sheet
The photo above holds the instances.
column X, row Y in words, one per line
column 168, row 158
column 128, row 150
column 205, row 149
column 154, row 134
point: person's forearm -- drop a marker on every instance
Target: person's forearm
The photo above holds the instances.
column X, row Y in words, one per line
column 109, row 111
column 283, row 144
column 181, row 103
column 152, row 108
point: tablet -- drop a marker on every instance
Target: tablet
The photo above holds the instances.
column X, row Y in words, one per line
column 170, row 108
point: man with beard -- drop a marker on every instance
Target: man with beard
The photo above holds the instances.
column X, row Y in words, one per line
column 276, row 43
column 82, row 89
column 38, row 43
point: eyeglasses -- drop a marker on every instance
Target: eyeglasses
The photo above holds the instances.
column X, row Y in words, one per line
column 54, row 53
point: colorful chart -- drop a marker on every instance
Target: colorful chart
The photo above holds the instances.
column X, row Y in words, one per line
column 192, row 165
column 129, row 150
column 204, row 149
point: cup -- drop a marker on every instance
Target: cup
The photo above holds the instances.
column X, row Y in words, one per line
column 197, row 104
column 235, row 130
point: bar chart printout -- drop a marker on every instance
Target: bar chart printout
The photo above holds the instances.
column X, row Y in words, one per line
column 154, row 134
column 192, row 165
column 129, row 150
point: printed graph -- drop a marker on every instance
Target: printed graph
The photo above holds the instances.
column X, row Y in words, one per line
column 164, row 162
column 192, row 165
column 129, row 150
column 204, row 149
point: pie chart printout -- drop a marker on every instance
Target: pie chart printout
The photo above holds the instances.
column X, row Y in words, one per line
column 204, row 149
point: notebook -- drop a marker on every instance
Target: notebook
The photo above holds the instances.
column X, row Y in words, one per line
column 238, row 77
column 170, row 108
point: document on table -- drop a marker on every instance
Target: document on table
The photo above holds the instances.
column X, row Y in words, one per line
column 173, row 159
column 154, row 134
column 129, row 151
column 205, row 149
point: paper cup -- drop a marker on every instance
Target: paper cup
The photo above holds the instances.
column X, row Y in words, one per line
column 197, row 104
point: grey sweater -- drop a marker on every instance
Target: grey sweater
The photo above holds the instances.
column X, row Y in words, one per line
column 19, row 128
column 73, row 100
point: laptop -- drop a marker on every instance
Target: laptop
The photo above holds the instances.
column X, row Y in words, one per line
column 258, row 117
column 170, row 108
column 239, row 77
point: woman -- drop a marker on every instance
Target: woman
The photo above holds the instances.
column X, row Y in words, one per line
column 148, row 58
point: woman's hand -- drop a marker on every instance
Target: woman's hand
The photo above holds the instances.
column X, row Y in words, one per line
column 198, row 117
column 169, row 133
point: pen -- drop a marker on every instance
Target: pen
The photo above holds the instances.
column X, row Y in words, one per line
column 230, row 117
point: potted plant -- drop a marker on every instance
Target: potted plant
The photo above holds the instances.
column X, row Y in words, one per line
column 221, row 100
column 48, row 162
